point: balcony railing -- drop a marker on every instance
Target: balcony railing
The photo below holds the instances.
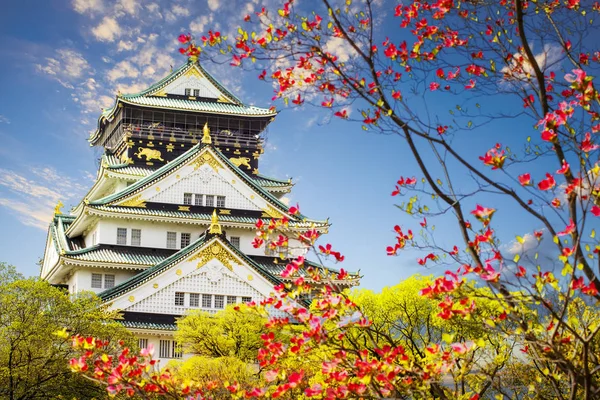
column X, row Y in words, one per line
column 158, row 132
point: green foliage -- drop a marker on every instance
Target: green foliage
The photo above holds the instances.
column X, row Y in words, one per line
column 228, row 333
column 8, row 274
column 207, row 369
column 33, row 357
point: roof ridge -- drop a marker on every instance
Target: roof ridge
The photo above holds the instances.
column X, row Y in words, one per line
column 261, row 176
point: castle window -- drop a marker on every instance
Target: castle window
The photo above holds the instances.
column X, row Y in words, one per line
column 219, row 301
column 165, row 349
column 246, row 299
column 97, row 281
column 136, row 237
column 231, row 300
column 171, row 240
column 142, row 343
column 221, row 201
column 206, row 301
column 210, row 201
column 122, row 236
column 185, row 239
column 177, row 353
column 196, row 92
column 109, row 281
column 187, row 199
column 188, row 92
column 198, row 200
column 235, row 241
column 179, row 298
column 194, row 300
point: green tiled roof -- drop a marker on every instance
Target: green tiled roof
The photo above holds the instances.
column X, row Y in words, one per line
column 194, row 105
column 112, row 163
column 147, row 325
column 120, row 255
column 276, row 268
column 206, row 217
column 266, row 181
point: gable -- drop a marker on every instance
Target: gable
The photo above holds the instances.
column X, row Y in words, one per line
column 202, row 172
column 205, row 181
column 193, row 79
column 212, row 279
column 212, row 269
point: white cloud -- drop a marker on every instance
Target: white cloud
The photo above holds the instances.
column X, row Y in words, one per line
column 125, row 45
column 108, row 30
column 4, row 120
column 66, row 67
column 180, row 11
column 88, row 6
column 340, row 48
column 29, row 214
column 33, row 199
column 124, row 69
column 129, row 6
column 549, row 58
column 154, row 10
column 214, row 4
column 199, row 24
column 92, row 103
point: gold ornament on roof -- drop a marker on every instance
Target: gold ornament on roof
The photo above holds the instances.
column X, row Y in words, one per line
column 215, row 251
column 215, row 227
column 206, row 134
column 241, row 162
column 58, row 208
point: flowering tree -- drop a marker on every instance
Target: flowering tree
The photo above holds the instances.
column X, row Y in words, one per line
column 528, row 61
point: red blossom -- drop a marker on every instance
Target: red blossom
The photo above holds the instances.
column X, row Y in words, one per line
column 547, row 183
column 525, row 179
column 586, row 145
column 342, row 114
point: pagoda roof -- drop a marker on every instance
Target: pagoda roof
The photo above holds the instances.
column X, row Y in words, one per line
column 198, row 217
column 113, row 164
column 181, row 161
column 204, row 240
column 269, row 267
column 215, row 99
column 127, row 255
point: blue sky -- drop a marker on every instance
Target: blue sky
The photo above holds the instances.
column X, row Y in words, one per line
column 63, row 61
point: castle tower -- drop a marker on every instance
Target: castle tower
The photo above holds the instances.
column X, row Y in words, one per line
column 167, row 227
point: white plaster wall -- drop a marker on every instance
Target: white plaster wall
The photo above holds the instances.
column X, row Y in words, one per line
column 89, row 237
column 51, row 256
column 154, row 340
column 82, row 278
column 212, row 278
column 154, row 234
column 207, row 89
column 202, row 181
